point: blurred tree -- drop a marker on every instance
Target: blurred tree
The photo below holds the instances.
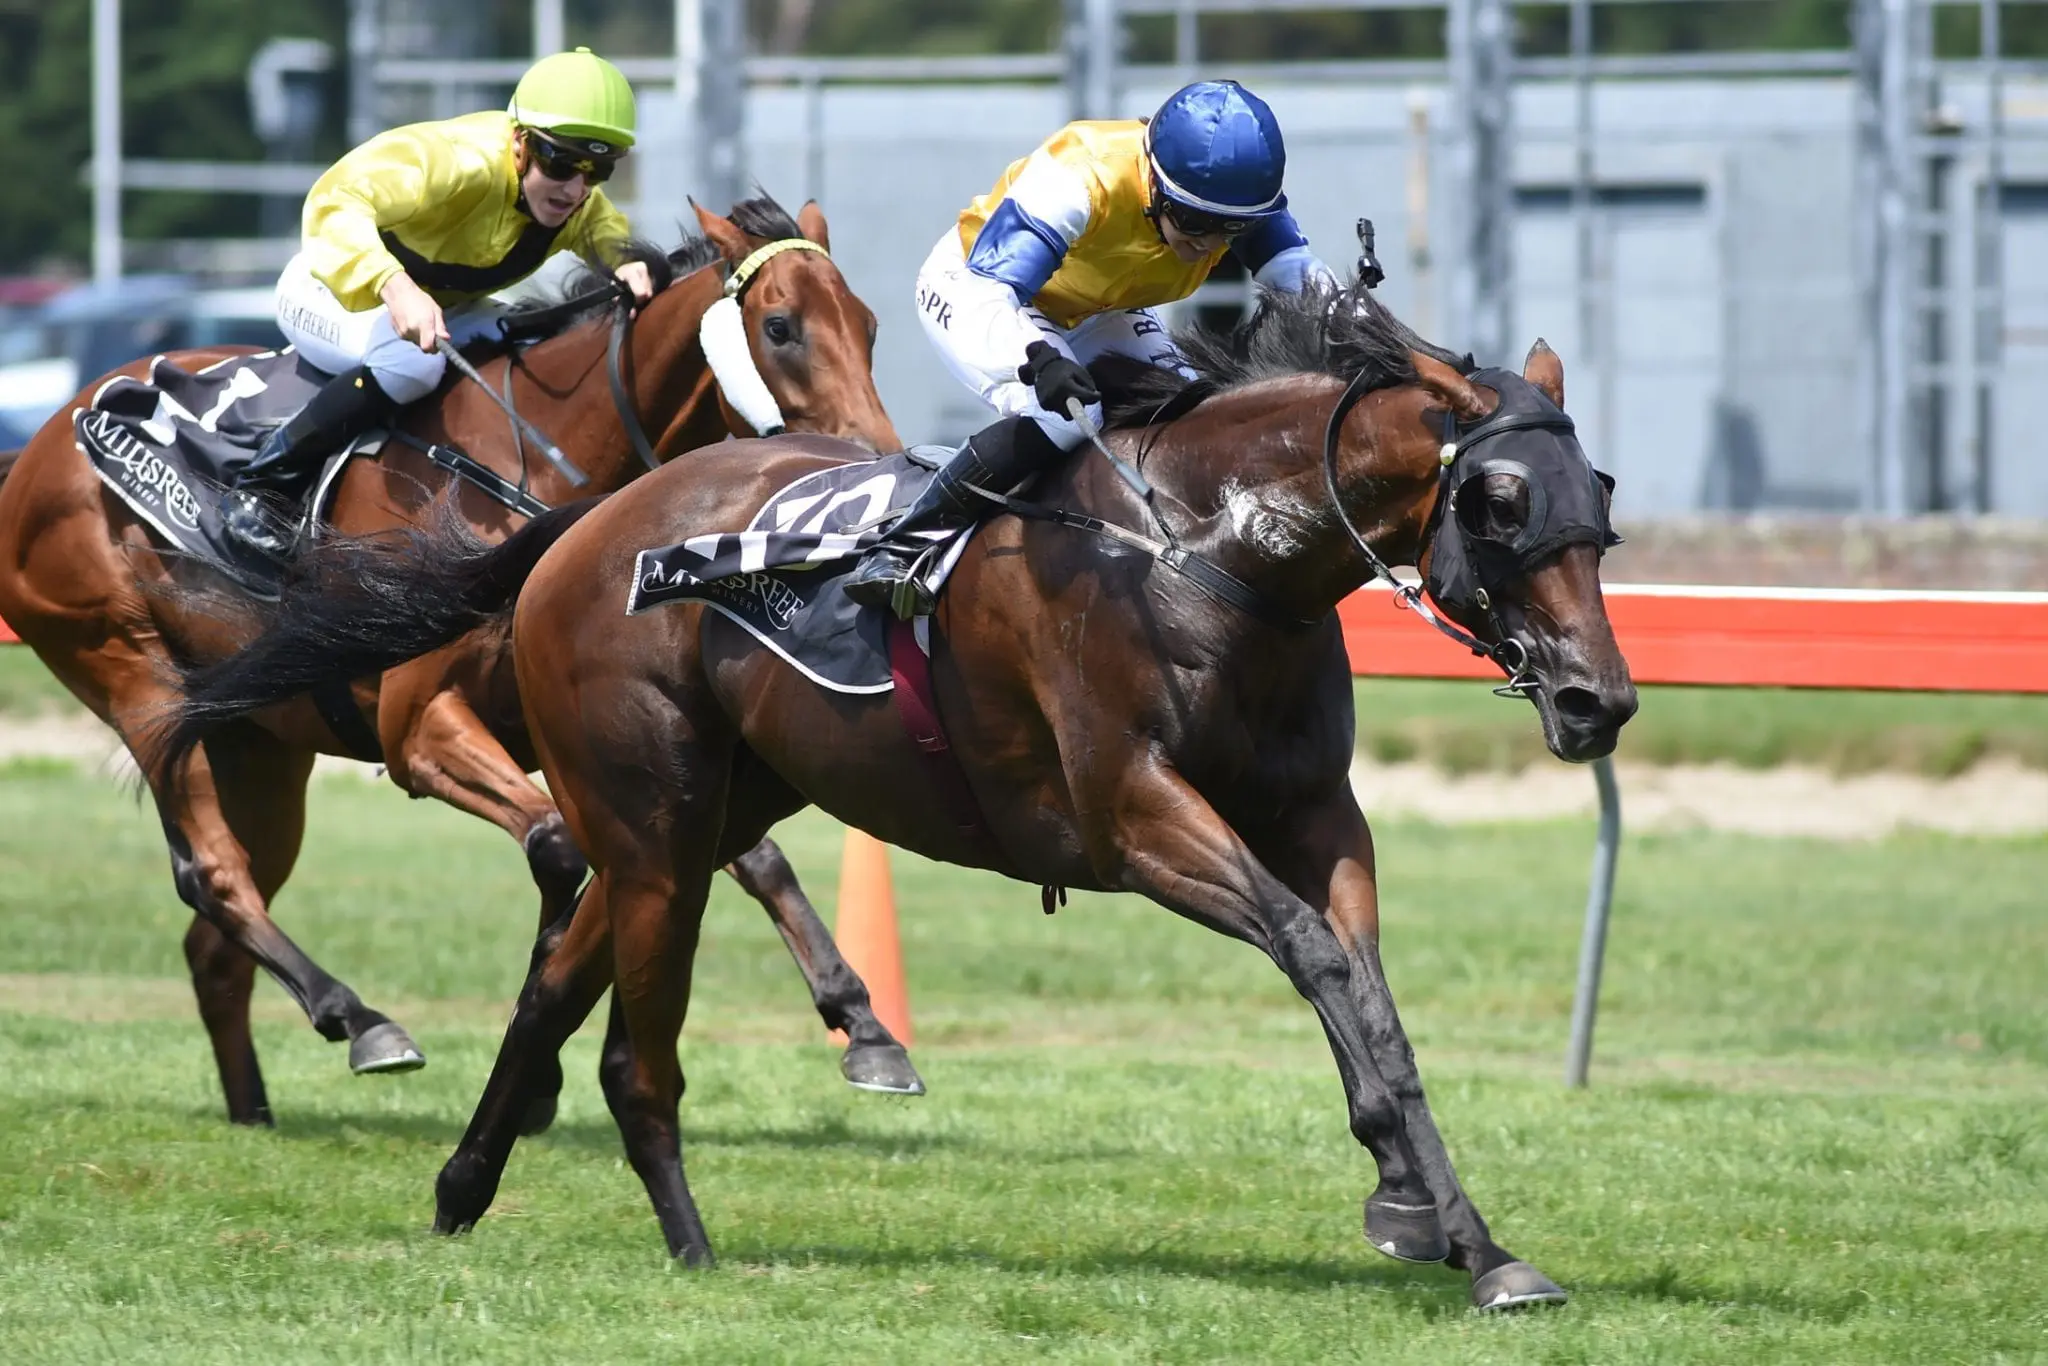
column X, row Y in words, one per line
column 184, row 95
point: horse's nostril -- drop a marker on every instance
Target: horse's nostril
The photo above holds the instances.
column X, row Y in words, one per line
column 1587, row 709
column 1579, row 708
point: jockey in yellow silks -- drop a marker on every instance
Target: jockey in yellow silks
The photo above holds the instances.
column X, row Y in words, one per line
column 404, row 237
column 1067, row 258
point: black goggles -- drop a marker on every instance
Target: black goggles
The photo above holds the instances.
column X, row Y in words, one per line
column 561, row 162
column 1200, row 222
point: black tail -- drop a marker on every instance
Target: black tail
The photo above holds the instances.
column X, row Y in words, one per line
column 352, row 607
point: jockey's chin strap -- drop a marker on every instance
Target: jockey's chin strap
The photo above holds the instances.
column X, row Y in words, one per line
column 723, row 335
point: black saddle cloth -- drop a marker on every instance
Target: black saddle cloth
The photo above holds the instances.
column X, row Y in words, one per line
column 168, row 445
column 782, row 578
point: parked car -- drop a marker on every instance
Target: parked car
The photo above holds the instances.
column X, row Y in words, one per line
column 46, row 353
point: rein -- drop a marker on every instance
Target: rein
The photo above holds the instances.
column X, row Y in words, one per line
column 532, row 324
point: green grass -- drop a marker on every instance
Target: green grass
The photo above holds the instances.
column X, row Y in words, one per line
column 28, row 689
column 1462, row 727
column 1816, row 1130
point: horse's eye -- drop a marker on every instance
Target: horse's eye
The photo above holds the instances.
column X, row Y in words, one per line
column 776, row 328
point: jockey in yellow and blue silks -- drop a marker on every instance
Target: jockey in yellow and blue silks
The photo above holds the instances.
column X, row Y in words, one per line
column 1066, row 259
column 403, row 239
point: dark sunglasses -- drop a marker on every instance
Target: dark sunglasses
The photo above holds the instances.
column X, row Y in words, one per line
column 1197, row 223
column 564, row 164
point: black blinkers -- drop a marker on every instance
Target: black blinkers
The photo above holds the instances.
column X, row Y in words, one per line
column 1500, row 515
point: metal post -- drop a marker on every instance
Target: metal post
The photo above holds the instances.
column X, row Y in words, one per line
column 689, row 58
column 1481, row 51
column 364, row 117
column 1093, row 50
column 1987, row 301
column 1896, row 274
column 1187, row 40
column 1593, row 940
column 1421, row 264
column 814, row 135
column 547, row 28
column 722, row 100
column 1582, row 194
column 106, row 141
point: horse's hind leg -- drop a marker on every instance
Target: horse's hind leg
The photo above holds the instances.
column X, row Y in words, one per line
column 234, row 832
column 566, row 980
column 655, row 929
column 874, row 1059
column 223, row 978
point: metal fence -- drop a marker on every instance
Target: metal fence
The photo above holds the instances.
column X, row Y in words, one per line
column 1807, row 279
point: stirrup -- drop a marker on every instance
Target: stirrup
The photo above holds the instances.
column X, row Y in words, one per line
column 909, row 599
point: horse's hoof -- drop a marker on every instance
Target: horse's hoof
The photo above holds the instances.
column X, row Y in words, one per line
column 384, row 1048
column 881, row 1067
column 540, row 1113
column 448, row 1225
column 1513, row 1285
column 1406, row 1232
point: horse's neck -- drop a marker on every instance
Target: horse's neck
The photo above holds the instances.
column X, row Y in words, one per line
column 1246, row 466
column 667, row 381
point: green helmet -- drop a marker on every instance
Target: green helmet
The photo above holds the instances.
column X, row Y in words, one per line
column 578, row 94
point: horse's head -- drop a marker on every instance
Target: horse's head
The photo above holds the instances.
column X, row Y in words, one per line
column 810, row 338
column 1512, row 544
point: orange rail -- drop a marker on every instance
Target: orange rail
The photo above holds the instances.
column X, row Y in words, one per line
column 1762, row 637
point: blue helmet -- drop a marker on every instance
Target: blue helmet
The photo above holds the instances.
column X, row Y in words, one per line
column 1216, row 149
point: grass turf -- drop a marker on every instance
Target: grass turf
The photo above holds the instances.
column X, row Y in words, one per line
column 1461, row 727
column 1815, row 1131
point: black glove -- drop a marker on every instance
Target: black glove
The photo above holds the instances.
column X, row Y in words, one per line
column 1054, row 378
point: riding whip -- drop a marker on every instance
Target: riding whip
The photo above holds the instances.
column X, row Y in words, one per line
column 532, row 433
column 1079, row 414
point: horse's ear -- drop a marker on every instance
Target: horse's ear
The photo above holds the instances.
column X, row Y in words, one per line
column 1545, row 370
column 810, row 220
column 1460, row 395
column 724, row 232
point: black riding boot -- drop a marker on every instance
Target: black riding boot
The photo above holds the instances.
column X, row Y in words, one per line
column 997, row 458
column 344, row 408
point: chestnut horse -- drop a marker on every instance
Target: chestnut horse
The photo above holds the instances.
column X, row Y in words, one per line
column 88, row 586
column 1175, row 723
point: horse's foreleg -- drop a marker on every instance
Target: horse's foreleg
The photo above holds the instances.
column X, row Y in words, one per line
column 1327, row 857
column 1177, row 850
column 437, row 746
column 569, row 974
column 874, row 1059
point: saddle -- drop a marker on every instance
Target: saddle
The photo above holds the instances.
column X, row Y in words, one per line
column 781, row 579
column 169, row 444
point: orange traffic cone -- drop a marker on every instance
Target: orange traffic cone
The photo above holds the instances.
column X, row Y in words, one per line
column 867, row 930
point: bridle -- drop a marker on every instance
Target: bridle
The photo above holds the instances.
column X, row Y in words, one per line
column 1507, row 652
column 618, row 296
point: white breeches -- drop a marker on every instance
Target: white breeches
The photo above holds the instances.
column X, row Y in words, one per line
column 981, row 332
column 334, row 339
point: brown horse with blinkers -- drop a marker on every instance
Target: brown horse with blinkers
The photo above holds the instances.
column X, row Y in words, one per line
column 1173, row 719
column 89, row 587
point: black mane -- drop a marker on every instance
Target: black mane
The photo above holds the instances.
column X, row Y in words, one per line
column 758, row 217
column 1320, row 331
